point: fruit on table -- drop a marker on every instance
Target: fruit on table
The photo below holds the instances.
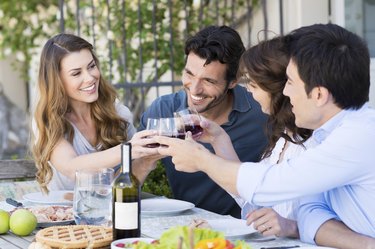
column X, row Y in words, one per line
column 22, row 222
column 4, row 221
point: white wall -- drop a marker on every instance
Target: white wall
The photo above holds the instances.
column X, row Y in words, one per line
column 372, row 86
column 298, row 13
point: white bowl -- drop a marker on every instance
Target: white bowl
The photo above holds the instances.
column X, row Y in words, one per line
column 130, row 240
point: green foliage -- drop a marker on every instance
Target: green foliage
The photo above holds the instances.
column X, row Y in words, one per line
column 156, row 182
column 125, row 37
column 120, row 30
column 21, row 29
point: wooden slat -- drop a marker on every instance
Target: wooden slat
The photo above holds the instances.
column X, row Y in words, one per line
column 12, row 169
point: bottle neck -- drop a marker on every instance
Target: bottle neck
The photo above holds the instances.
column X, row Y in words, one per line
column 126, row 158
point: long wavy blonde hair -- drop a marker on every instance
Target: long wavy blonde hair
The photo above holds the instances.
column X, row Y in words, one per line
column 53, row 105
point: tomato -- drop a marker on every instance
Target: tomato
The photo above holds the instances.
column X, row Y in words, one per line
column 155, row 242
column 218, row 243
column 229, row 245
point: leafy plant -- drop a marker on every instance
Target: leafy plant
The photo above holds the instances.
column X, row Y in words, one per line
column 157, row 182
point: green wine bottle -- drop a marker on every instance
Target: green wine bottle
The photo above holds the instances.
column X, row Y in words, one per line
column 126, row 205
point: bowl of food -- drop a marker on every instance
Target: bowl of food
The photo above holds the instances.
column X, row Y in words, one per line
column 51, row 215
column 130, row 242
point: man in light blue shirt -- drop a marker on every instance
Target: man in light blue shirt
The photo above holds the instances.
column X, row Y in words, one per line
column 328, row 86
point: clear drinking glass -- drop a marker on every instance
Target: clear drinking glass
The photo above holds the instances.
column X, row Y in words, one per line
column 191, row 120
column 153, row 124
column 172, row 127
column 92, row 202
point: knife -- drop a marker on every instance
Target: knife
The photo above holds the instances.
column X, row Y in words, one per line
column 13, row 202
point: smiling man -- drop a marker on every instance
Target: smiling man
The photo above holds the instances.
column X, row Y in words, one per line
column 210, row 85
column 328, row 86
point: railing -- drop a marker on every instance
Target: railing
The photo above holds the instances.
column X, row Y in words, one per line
column 17, row 178
column 139, row 74
column 17, row 169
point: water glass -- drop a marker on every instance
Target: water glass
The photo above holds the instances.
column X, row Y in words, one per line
column 92, row 202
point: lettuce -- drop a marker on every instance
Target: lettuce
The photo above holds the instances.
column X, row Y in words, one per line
column 170, row 238
column 241, row 244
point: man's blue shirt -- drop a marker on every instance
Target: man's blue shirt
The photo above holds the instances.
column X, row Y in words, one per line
column 245, row 127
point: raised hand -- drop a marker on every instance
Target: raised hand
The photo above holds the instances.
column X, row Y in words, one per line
column 211, row 131
column 139, row 142
column 181, row 152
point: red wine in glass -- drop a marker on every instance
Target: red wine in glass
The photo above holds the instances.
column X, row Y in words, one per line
column 195, row 129
column 153, row 145
column 153, row 124
column 179, row 135
column 191, row 120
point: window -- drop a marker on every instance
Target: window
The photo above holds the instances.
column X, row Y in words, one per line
column 360, row 19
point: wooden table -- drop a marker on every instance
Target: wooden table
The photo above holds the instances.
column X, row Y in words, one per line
column 154, row 225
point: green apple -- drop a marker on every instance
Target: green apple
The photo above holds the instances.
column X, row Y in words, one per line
column 22, row 222
column 4, row 221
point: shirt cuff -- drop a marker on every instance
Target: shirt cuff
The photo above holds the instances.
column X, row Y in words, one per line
column 250, row 176
column 310, row 221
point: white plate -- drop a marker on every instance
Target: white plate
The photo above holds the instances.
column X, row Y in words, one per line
column 164, row 206
column 232, row 228
column 55, row 223
column 126, row 241
column 53, row 197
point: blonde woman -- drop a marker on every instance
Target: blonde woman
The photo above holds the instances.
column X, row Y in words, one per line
column 77, row 122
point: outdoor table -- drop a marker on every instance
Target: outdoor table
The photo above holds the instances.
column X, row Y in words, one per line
column 153, row 224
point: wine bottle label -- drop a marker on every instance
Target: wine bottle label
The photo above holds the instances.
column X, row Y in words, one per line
column 126, row 215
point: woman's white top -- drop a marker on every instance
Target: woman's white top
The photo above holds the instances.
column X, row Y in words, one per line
column 286, row 209
column 82, row 147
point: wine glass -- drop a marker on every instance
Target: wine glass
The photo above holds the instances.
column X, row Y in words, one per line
column 153, row 124
column 172, row 127
column 191, row 119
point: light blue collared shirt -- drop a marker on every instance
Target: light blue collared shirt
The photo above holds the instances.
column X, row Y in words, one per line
column 337, row 175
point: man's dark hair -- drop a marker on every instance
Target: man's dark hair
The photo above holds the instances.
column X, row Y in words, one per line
column 330, row 56
column 218, row 43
